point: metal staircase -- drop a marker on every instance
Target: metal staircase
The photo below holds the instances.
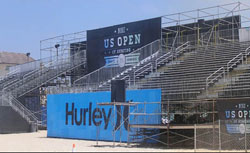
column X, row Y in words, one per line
column 9, row 100
column 47, row 72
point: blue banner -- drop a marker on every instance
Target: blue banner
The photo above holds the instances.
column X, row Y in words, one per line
column 78, row 115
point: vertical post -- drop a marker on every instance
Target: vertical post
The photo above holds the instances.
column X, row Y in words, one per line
column 151, row 49
column 144, row 112
column 137, row 130
column 128, row 125
column 233, row 26
column 98, row 76
column 121, row 125
column 219, row 137
column 114, row 127
column 97, row 128
column 246, row 53
column 224, row 71
column 168, row 124
column 207, row 87
column 213, row 124
column 134, row 78
column 242, row 58
column 198, row 35
column 195, row 138
column 245, row 133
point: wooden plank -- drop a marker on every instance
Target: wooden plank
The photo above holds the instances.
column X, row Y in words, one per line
column 174, row 127
column 117, row 104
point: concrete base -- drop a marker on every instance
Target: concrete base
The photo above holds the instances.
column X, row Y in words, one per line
column 12, row 122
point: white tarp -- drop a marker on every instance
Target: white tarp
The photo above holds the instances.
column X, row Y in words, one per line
column 244, row 34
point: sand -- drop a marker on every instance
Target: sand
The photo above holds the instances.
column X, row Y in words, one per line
column 38, row 142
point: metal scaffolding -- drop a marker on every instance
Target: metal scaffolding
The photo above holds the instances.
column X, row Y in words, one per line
column 113, row 120
column 63, row 44
column 141, row 128
column 204, row 24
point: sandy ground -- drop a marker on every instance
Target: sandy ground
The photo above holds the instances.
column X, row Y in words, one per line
column 39, row 142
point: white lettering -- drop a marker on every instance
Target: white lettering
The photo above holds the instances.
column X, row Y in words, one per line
column 119, row 41
column 131, row 39
column 121, row 30
column 227, row 114
column 125, row 40
column 138, row 39
column 233, row 114
column 240, row 114
column 245, row 113
column 112, row 42
column 106, row 43
column 122, row 41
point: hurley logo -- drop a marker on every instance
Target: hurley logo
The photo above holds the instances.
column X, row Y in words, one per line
column 95, row 116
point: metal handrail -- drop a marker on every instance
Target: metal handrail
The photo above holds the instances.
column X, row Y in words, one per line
column 230, row 66
column 159, row 60
column 46, row 61
column 211, row 81
column 20, row 108
column 143, row 70
column 104, row 67
column 20, row 105
column 247, row 53
column 35, row 74
column 15, row 71
column 51, row 78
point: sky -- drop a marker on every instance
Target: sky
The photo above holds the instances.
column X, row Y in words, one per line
column 24, row 23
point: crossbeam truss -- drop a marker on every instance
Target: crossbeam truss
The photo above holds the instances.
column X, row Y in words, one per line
column 204, row 23
column 181, row 20
column 210, row 13
column 51, row 47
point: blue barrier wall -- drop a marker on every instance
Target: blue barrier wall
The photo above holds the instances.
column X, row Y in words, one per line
column 78, row 116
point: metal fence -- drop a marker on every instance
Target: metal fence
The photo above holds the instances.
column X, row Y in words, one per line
column 223, row 135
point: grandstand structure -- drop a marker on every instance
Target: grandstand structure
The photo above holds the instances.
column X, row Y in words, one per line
column 202, row 56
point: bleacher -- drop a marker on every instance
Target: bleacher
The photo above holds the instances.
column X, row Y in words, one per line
column 239, row 87
column 187, row 79
column 182, row 77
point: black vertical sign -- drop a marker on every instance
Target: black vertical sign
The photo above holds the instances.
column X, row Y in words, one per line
column 107, row 44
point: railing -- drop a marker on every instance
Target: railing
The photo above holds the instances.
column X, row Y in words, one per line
column 234, row 61
column 19, row 108
column 10, row 73
column 46, row 72
column 169, row 55
column 213, row 76
column 147, row 67
column 230, row 64
column 32, row 67
column 106, row 73
column 247, row 52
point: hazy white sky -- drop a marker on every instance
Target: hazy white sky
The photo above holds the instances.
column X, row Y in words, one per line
column 23, row 23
